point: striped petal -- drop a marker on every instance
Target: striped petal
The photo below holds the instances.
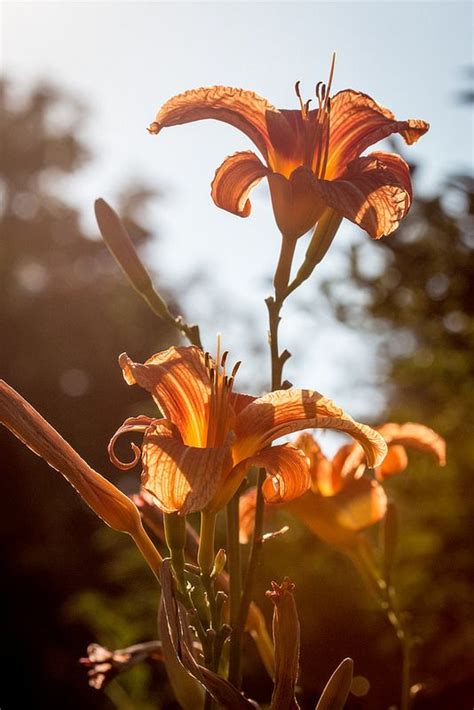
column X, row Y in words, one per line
column 234, row 179
column 179, row 382
column 288, row 473
column 285, row 411
column 357, row 122
column 374, row 192
column 242, row 109
column 182, row 478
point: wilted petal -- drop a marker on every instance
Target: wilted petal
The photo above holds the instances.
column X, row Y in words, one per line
column 234, row 179
column 374, row 192
column 286, row 639
column 357, row 122
column 415, row 436
column 182, row 478
column 179, row 382
column 296, row 206
column 288, row 473
column 244, row 110
column 285, row 411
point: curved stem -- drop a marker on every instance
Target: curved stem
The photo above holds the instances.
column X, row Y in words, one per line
column 283, row 269
column 206, row 543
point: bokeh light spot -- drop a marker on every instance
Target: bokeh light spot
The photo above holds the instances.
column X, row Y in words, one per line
column 360, row 686
column 74, row 382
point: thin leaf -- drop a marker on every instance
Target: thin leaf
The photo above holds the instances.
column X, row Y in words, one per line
column 337, row 688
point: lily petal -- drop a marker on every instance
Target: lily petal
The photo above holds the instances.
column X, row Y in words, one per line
column 374, row 192
column 179, row 382
column 132, row 424
column 182, row 478
column 234, row 179
column 247, row 505
column 321, row 470
column 338, row 519
column 288, row 473
column 357, row 122
column 415, row 436
column 296, row 205
column 397, row 436
column 282, row 412
column 242, row 109
column 394, row 463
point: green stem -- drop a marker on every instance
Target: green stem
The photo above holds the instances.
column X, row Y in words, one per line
column 278, row 360
column 233, row 557
column 283, row 269
column 256, row 549
column 206, row 542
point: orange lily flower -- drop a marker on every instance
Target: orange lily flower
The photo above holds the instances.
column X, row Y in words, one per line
column 311, row 157
column 342, row 501
column 197, row 455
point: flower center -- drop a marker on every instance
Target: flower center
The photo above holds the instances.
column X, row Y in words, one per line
column 316, row 125
column 220, row 414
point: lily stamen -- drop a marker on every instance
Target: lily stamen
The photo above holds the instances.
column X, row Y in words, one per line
column 298, row 94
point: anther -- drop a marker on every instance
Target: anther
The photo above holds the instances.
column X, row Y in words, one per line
column 235, row 369
column 224, row 358
column 318, row 89
column 306, row 106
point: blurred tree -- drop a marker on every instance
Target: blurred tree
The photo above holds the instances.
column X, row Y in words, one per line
column 66, row 313
column 421, row 305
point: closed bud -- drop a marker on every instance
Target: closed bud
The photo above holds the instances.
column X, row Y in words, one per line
column 219, row 562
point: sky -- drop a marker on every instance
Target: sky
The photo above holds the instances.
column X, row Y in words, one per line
column 123, row 60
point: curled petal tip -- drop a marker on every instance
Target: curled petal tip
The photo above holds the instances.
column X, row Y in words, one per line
column 127, row 369
column 154, row 128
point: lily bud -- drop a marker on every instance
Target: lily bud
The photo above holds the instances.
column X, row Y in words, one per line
column 286, row 637
column 219, row 562
column 123, row 250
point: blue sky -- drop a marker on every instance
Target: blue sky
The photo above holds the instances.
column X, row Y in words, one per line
column 125, row 59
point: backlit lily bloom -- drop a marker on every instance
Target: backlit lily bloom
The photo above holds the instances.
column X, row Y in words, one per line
column 342, row 501
column 311, row 158
column 196, row 456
